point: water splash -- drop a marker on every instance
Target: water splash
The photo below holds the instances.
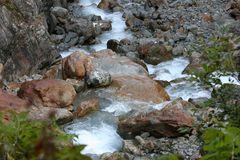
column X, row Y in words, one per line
column 98, row 132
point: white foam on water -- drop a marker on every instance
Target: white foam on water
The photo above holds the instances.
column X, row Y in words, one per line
column 118, row 26
column 169, row 70
column 98, row 135
column 85, row 3
column 99, row 140
column 229, row 78
column 71, row 50
column 186, row 90
column 160, row 105
column 118, row 108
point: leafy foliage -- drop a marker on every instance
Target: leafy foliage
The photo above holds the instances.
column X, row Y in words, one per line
column 219, row 60
column 222, row 144
column 21, row 139
column 170, row 157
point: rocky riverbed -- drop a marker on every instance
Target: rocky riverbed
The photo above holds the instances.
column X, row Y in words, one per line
column 115, row 73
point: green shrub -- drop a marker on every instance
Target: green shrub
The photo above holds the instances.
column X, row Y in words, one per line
column 222, row 144
column 21, row 139
column 170, row 157
column 218, row 55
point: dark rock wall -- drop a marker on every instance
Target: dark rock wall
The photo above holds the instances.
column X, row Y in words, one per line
column 25, row 45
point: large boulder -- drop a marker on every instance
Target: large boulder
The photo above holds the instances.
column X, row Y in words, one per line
column 116, row 65
column 159, row 123
column 48, row 93
column 136, row 87
column 12, row 103
column 25, row 44
column 77, row 65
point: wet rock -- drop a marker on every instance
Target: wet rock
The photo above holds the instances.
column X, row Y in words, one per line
column 105, row 25
column 113, row 44
column 12, row 103
column 159, row 123
column 86, row 107
column 98, row 78
column 154, row 53
column 76, row 66
column 129, row 86
column 61, row 115
column 116, row 65
column 48, row 93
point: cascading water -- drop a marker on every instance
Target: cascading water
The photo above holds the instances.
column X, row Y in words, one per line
column 172, row 70
column 89, row 7
column 99, row 130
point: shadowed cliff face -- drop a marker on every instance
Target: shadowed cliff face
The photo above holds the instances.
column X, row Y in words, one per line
column 25, row 46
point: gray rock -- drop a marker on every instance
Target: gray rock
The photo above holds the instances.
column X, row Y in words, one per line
column 61, row 115
column 178, row 50
column 99, row 78
column 59, row 12
column 25, row 45
column 71, row 39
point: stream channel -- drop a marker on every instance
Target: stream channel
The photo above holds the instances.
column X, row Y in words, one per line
column 98, row 131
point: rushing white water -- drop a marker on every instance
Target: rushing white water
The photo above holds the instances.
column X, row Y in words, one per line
column 118, row 24
column 97, row 132
column 71, row 50
column 172, row 70
column 169, row 70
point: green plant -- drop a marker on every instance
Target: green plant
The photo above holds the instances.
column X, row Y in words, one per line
column 170, row 157
column 217, row 54
column 21, row 139
column 222, row 144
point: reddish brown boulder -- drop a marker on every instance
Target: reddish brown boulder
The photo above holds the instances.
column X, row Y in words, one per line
column 154, row 53
column 159, row 123
column 48, row 93
column 86, row 107
column 139, row 88
column 76, row 66
column 10, row 102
